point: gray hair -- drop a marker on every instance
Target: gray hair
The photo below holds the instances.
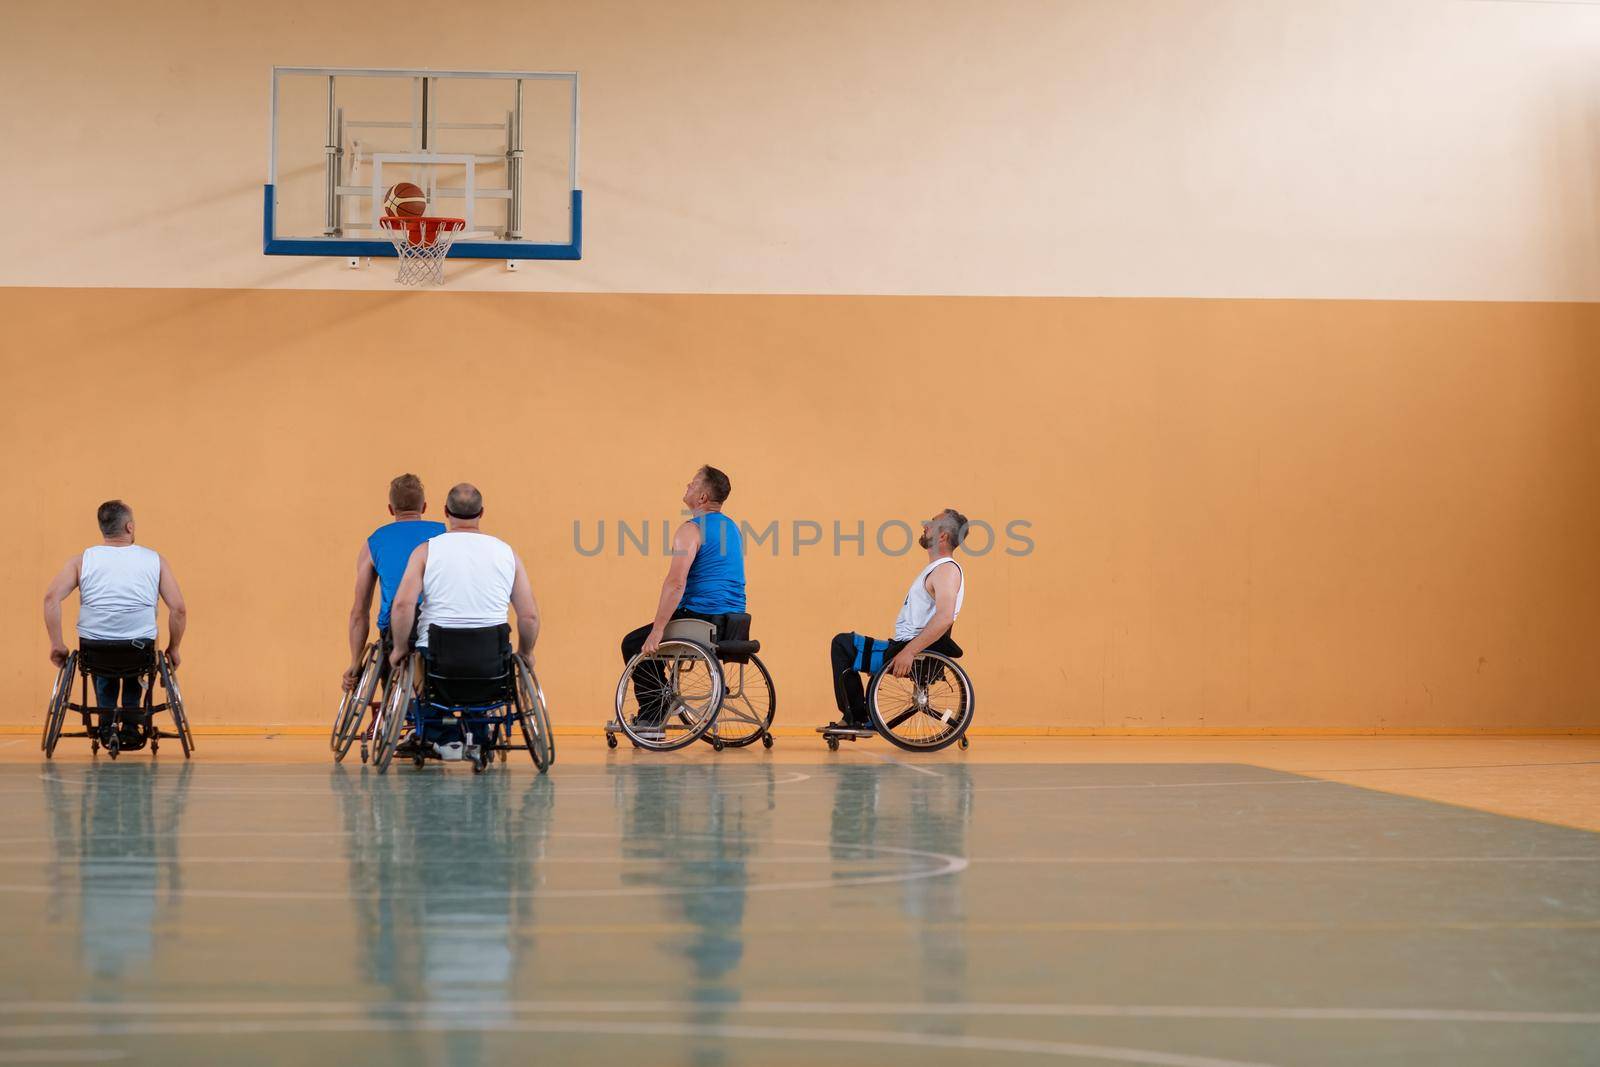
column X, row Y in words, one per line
column 952, row 523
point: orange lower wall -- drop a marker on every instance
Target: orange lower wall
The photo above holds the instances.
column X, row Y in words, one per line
column 1247, row 514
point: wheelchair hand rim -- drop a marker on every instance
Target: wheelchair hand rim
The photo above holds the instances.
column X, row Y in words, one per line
column 701, row 654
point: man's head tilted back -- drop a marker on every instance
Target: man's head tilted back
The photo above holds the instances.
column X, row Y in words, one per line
column 949, row 522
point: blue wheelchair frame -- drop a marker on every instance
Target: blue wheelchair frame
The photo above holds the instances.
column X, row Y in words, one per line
column 490, row 721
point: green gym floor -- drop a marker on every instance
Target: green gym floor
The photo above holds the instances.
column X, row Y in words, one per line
column 797, row 908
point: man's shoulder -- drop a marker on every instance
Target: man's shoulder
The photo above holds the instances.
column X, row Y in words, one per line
column 414, row 531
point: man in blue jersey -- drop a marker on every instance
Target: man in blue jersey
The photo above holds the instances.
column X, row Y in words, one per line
column 704, row 579
column 382, row 563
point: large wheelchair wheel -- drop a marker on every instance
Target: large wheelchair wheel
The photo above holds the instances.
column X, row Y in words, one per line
column 55, row 713
column 925, row 712
column 180, row 718
column 533, row 717
column 749, row 702
column 688, row 697
column 392, row 717
column 350, row 723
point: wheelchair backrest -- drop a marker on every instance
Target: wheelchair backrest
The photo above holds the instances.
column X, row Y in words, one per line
column 117, row 659
column 734, row 626
column 479, row 652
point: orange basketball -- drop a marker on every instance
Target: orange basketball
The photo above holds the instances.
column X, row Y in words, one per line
column 404, row 199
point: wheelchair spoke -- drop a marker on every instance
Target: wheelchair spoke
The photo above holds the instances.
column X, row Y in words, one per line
column 900, row 718
column 669, row 699
column 928, row 710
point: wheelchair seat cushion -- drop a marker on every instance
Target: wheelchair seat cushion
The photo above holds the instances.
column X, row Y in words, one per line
column 469, row 666
column 117, row 659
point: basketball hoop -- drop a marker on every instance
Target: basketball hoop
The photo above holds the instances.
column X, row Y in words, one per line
column 422, row 242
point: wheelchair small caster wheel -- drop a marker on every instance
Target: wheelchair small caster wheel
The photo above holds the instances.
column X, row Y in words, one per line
column 94, row 747
column 155, row 746
column 766, row 740
column 418, row 760
column 611, row 740
column 963, row 744
column 833, row 744
column 717, row 745
column 365, row 755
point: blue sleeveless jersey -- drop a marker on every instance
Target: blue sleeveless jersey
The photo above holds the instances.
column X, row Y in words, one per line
column 716, row 577
column 391, row 547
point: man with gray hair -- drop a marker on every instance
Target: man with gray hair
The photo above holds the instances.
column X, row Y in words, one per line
column 929, row 611
column 463, row 579
column 118, row 584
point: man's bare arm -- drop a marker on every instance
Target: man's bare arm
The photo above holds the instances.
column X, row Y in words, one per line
column 527, row 612
column 403, row 611
column 177, row 611
column 684, row 545
column 360, row 613
column 943, row 583
column 60, row 587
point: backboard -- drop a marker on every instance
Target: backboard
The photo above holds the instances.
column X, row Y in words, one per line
column 496, row 148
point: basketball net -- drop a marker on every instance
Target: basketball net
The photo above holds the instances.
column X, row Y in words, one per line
column 421, row 243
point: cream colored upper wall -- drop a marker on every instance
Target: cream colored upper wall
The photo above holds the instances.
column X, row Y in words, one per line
column 1261, row 148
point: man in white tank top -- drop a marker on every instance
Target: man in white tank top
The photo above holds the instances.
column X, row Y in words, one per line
column 930, row 609
column 118, row 584
column 463, row 579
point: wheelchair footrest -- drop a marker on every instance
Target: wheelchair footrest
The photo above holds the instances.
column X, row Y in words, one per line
column 834, row 731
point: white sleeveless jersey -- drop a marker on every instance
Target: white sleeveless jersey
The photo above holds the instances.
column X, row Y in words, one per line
column 917, row 611
column 466, row 583
column 118, row 586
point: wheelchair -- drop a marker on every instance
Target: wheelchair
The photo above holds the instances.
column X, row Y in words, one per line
column 925, row 712
column 470, row 678
column 131, row 728
column 350, row 722
column 709, row 683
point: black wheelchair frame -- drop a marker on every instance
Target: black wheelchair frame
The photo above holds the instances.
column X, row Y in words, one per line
column 130, row 728
column 931, row 666
column 445, row 685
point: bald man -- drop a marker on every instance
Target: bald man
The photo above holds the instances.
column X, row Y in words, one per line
column 464, row 579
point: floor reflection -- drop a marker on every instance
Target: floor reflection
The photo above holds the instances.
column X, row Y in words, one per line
column 698, row 828
column 114, row 832
column 442, row 871
column 922, row 811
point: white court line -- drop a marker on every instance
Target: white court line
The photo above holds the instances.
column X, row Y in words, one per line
column 944, row 865
column 1112, row 860
column 131, row 860
column 973, row 1009
column 488, row 1021
column 900, row 763
column 62, row 1055
column 167, row 788
column 138, row 861
column 14, row 741
column 1153, row 785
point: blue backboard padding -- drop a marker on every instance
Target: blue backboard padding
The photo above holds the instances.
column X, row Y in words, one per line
column 355, row 246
